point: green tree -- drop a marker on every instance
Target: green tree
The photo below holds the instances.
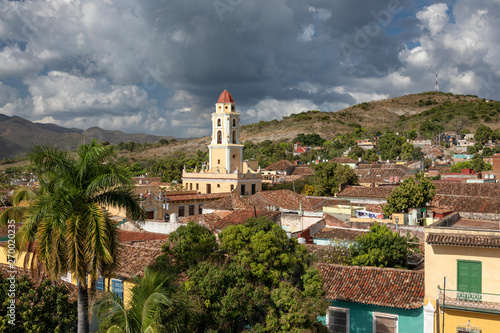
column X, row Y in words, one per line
column 410, row 194
column 390, row 146
column 483, row 134
column 381, row 247
column 328, row 177
column 158, row 305
column 187, row 246
column 478, row 164
column 65, row 221
column 40, row 308
column 370, row 155
column 261, row 281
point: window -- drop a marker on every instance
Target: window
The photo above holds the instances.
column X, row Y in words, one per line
column 66, row 277
column 219, row 137
column 337, row 320
column 191, row 210
column 218, row 161
column 254, row 188
column 117, row 287
column 469, row 280
column 200, row 210
column 385, row 323
column 242, row 192
column 232, row 188
column 191, row 186
column 182, row 211
column 234, row 136
column 197, row 186
column 99, row 283
column 468, row 330
column 234, row 122
column 209, row 188
column 218, row 185
column 219, row 122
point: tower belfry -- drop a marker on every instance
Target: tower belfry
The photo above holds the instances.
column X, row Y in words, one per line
column 225, row 149
column 226, row 171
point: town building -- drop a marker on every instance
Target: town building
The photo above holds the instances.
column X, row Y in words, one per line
column 462, row 270
column 226, row 171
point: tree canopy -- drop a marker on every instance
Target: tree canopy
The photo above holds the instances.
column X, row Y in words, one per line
column 257, row 280
column 328, row 177
column 410, row 194
column 40, row 308
column 381, row 247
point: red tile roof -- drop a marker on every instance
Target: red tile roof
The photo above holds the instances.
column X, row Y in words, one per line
column 303, row 171
column 463, row 240
column 136, row 236
column 395, row 288
column 471, row 198
column 229, row 202
column 191, row 197
column 339, row 233
column 242, row 215
column 280, row 165
column 366, row 192
column 134, row 258
column 225, row 97
column 284, row 199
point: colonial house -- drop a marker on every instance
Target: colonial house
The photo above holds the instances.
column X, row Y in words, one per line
column 373, row 299
column 462, row 271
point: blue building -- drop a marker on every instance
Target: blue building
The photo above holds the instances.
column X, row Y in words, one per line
column 372, row 299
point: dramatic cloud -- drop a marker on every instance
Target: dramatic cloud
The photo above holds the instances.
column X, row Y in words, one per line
column 158, row 66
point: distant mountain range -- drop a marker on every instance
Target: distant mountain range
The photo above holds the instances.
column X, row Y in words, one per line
column 18, row 136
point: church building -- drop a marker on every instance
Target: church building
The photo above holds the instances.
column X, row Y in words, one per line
column 226, row 171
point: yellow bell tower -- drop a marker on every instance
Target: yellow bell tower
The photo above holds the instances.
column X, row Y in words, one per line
column 225, row 171
column 225, row 150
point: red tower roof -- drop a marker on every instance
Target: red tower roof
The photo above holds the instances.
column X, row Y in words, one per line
column 225, row 97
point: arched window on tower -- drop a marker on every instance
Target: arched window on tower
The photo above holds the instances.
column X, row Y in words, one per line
column 234, row 122
column 219, row 137
column 234, row 136
column 219, row 122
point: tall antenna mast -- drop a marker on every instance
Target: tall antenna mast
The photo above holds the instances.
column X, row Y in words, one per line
column 436, row 85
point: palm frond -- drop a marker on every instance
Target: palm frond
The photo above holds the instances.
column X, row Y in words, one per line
column 12, row 213
column 124, row 199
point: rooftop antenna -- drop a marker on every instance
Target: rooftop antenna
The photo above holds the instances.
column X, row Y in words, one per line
column 436, row 85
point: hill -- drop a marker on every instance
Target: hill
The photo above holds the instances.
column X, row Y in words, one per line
column 399, row 114
column 18, row 136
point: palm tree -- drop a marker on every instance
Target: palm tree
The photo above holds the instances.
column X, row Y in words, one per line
column 65, row 225
column 157, row 305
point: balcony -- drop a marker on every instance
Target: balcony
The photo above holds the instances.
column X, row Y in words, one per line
column 469, row 301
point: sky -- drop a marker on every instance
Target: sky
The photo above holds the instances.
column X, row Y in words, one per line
column 158, row 66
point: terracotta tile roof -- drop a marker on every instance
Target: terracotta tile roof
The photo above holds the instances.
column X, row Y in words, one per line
column 373, row 208
column 343, row 160
column 383, row 173
column 319, row 202
column 301, row 150
column 395, row 288
column 242, row 215
column 225, row 97
column 4, row 231
column 366, row 192
column 228, row 202
column 190, row 197
column 135, row 257
column 463, row 197
column 463, row 240
column 5, row 270
column 280, row 165
column 339, row 233
column 284, row 199
column 303, row 171
column 136, row 236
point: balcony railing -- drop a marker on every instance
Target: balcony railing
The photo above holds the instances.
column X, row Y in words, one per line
column 469, row 300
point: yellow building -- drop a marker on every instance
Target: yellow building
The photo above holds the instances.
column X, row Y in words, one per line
column 466, row 253
column 226, row 170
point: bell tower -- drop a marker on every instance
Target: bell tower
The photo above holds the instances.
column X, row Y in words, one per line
column 225, row 148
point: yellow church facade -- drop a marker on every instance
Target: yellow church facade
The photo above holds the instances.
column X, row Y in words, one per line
column 226, row 171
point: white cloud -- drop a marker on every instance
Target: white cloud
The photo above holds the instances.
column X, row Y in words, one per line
column 273, row 109
column 434, row 17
